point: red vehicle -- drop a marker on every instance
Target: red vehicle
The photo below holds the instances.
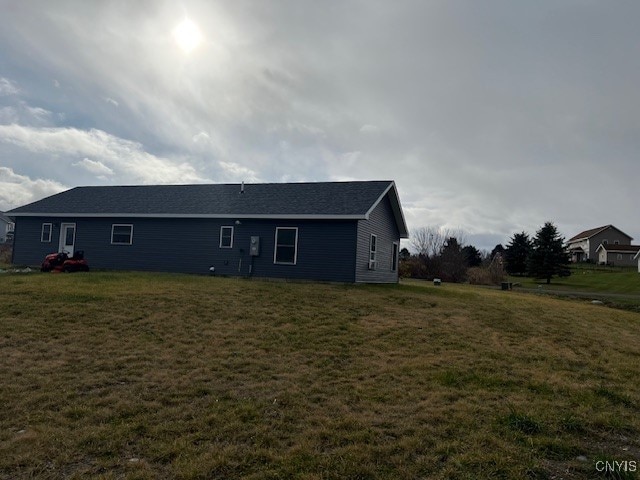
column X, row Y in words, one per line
column 61, row 262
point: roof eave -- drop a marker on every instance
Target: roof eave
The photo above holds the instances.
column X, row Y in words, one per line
column 190, row 215
column 395, row 207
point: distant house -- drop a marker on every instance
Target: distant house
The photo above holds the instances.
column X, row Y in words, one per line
column 332, row 231
column 617, row 255
column 6, row 228
column 583, row 246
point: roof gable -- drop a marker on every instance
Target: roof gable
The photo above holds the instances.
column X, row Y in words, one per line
column 321, row 200
column 613, row 248
column 595, row 231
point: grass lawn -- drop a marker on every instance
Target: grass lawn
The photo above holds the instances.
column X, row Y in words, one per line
column 618, row 287
column 125, row 375
column 592, row 279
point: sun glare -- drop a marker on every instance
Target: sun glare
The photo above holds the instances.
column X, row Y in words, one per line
column 187, row 35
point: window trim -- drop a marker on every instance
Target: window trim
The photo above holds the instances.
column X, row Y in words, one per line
column 373, row 252
column 395, row 253
column 42, row 240
column 295, row 247
column 113, row 225
column 232, row 234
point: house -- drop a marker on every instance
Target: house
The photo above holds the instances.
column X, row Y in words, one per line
column 6, row 228
column 332, row 231
column 617, row 255
column 582, row 247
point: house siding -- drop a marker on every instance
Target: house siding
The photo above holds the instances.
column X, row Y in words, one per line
column 611, row 235
column 618, row 259
column 326, row 249
column 382, row 224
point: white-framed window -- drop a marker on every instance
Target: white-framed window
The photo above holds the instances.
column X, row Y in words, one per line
column 286, row 247
column 226, row 237
column 45, row 234
column 394, row 257
column 121, row 234
column 10, row 227
column 373, row 249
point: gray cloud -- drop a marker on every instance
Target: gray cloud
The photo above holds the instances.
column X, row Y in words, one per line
column 492, row 117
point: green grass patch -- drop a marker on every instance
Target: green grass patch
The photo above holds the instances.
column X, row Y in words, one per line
column 131, row 375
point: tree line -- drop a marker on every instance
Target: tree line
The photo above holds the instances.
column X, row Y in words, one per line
column 442, row 253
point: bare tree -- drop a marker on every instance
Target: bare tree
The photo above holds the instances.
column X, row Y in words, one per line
column 430, row 241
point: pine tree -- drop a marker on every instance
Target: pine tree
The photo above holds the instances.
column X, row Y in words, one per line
column 517, row 254
column 548, row 257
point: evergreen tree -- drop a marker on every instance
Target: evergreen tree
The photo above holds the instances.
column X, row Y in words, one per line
column 497, row 249
column 517, row 254
column 472, row 256
column 452, row 261
column 548, row 256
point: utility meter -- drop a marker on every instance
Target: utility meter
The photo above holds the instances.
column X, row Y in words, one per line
column 254, row 248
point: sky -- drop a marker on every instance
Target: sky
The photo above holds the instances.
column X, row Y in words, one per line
column 492, row 117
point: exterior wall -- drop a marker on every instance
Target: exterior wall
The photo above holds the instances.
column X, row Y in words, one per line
column 584, row 244
column 326, row 249
column 382, row 224
column 618, row 259
column 5, row 228
column 590, row 245
column 611, row 235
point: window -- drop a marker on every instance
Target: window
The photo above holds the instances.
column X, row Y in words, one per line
column 286, row 250
column 605, row 242
column 619, row 256
column 121, row 234
column 372, row 252
column 226, row 237
column 616, row 242
column 394, row 257
column 10, row 227
column 45, row 235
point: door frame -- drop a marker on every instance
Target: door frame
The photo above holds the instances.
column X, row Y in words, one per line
column 63, row 235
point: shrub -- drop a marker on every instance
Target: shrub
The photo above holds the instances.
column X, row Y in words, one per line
column 5, row 254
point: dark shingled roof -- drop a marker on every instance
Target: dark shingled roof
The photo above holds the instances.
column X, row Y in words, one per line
column 328, row 199
column 594, row 231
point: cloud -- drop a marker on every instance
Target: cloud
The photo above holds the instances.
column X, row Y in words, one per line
column 16, row 190
column 97, row 168
column 111, row 101
column 126, row 158
column 24, row 114
column 492, row 118
column 7, row 87
column 235, row 173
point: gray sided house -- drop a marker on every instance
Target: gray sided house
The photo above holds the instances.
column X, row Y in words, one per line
column 583, row 246
column 617, row 255
column 334, row 231
column 6, row 228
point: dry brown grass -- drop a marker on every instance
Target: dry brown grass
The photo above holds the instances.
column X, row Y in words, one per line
column 115, row 375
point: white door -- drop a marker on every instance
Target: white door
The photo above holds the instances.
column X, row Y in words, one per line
column 67, row 238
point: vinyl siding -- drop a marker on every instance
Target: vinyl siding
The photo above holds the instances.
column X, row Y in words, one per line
column 326, row 249
column 382, row 224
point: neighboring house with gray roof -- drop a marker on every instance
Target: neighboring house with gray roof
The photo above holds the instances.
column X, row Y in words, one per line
column 6, row 228
column 617, row 255
column 583, row 246
column 331, row 231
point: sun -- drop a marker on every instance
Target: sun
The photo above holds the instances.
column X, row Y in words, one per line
column 187, row 35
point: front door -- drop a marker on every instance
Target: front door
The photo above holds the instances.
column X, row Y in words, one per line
column 67, row 238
